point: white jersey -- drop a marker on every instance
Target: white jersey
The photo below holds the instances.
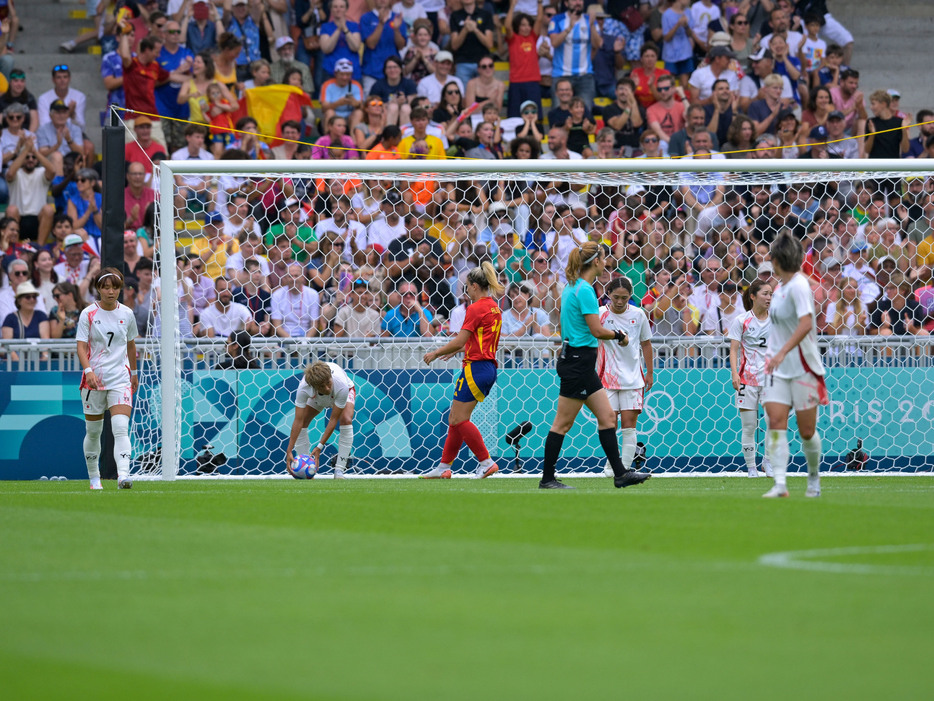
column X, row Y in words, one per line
column 107, row 333
column 789, row 303
column 620, row 367
column 341, row 388
column 753, row 336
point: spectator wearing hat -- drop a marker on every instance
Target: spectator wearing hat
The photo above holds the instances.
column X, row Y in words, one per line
column 17, row 94
column 74, row 100
column 28, row 176
column 752, row 86
column 286, row 62
column 245, row 20
column 76, row 268
column 341, row 95
column 384, row 34
column 703, row 79
column 143, row 148
column 60, row 136
column 819, row 148
column 27, row 321
column 432, row 85
column 391, row 226
column 836, row 134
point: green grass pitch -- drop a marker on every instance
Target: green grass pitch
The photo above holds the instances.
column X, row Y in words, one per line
column 403, row 589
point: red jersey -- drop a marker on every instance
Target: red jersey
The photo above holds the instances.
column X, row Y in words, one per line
column 139, row 84
column 523, row 59
column 484, row 320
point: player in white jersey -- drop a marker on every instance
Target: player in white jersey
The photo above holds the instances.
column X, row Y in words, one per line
column 620, row 367
column 748, row 334
column 323, row 386
column 107, row 351
column 794, row 371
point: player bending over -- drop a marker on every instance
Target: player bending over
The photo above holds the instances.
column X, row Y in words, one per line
column 580, row 384
column 479, row 337
column 323, row 386
column 794, row 371
column 107, row 351
column 620, row 367
column 748, row 334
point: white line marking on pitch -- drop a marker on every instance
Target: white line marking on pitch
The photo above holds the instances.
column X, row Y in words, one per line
column 806, row 560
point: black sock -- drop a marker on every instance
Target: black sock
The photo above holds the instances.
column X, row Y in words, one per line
column 611, row 448
column 553, row 444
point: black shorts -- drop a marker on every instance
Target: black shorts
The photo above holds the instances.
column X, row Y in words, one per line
column 577, row 368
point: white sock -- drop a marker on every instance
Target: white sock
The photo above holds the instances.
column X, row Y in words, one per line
column 344, row 445
column 750, row 422
column 778, row 455
column 628, row 450
column 302, row 444
column 484, row 464
column 123, row 450
column 92, row 448
column 812, row 453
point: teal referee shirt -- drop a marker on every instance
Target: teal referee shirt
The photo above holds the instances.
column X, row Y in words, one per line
column 576, row 301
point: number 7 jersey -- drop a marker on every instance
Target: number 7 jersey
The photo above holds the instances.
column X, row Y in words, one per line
column 107, row 333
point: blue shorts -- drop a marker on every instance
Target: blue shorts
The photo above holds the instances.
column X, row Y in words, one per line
column 476, row 381
column 684, row 67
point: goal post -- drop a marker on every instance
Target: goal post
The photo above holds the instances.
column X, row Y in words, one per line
column 195, row 414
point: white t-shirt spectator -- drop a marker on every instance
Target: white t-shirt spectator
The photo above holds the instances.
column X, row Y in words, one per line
column 235, row 263
column 562, row 247
column 708, row 304
column 45, row 100
column 358, row 324
column 9, row 144
column 298, row 312
column 73, row 275
column 701, row 16
column 749, row 89
column 225, row 322
column 351, row 230
column 383, row 233
column 703, row 79
column 29, row 191
column 183, row 154
column 430, row 87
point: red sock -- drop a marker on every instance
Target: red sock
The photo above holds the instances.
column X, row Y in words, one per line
column 471, row 436
column 452, row 444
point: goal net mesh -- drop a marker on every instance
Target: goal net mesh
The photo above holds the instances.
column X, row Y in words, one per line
column 367, row 271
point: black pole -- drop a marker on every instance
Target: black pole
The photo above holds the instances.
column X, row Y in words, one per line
column 114, row 217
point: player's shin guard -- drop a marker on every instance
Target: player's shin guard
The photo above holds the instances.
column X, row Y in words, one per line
column 611, row 448
column 471, row 435
column 778, row 455
column 812, row 453
column 628, row 450
column 749, row 421
column 452, row 445
column 344, row 445
column 123, row 451
column 302, row 444
column 92, row 447
column 553, row 444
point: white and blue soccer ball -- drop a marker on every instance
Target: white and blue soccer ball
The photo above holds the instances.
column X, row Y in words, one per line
column 303, row 468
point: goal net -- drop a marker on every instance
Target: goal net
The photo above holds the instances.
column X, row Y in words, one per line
column 362, row 263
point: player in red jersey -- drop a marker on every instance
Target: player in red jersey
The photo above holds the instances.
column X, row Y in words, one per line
column 479, row 338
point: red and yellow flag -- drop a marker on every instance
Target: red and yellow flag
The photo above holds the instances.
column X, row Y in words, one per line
column 272, row 105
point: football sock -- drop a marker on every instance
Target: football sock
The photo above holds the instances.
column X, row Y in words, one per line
column 344, row 444
column 611, row 448
column 749, row 421
column 553, row 443
column 471, row 435
column 452, row 445
column 812, row 453
column 123, row 451
column 628, row 451
column 92, row 447
column 778, row 455
column 302, row 444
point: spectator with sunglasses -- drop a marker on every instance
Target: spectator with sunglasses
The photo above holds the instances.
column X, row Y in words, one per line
column 29, row 176
column 17, row 272
column 74, row 100
column 19, row 95
column 485, row 88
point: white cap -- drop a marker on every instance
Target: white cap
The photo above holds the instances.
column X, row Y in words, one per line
column 282, row 41
column 343, row 66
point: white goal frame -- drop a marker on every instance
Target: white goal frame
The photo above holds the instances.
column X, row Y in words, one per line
column 611, row 171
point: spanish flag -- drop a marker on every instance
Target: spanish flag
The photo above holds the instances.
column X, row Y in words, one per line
column 272, row 105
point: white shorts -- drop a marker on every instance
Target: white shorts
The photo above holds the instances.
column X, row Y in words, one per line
column 97, row 401
column 626, row 399
column 834, row 32
column 749, row 397
column 321, row 403
column 800, row 393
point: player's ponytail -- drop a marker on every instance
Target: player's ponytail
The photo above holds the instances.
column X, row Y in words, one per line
column 749, row 295
column 581, row 259
column 486, row 276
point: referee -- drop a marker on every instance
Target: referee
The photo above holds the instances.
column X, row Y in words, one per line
column 581, row 329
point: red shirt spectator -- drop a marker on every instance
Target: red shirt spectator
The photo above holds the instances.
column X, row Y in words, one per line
column 137, row 196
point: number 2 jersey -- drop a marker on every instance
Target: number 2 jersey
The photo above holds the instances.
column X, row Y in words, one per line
column 753, row 337
column 107, row 333
column 484, row 320
column 341, row 387
column 620, row 367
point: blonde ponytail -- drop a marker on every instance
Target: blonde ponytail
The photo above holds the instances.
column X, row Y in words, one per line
column 487, row 277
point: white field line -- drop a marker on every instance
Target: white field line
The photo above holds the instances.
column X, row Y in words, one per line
column 815, row 560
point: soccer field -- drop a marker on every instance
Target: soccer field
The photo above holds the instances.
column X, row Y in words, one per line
column 403, row 589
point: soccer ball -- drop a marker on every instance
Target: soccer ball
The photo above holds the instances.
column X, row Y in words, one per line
column 303, row 468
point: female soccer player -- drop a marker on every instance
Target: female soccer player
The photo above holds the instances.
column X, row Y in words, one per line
column 748, row 334
column 620, row 367
column 794, row 371
column 582, row 332
column 323, row 386
column 107, row 351
column 479, row 337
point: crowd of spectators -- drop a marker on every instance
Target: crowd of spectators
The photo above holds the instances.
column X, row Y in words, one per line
column 424, row 79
